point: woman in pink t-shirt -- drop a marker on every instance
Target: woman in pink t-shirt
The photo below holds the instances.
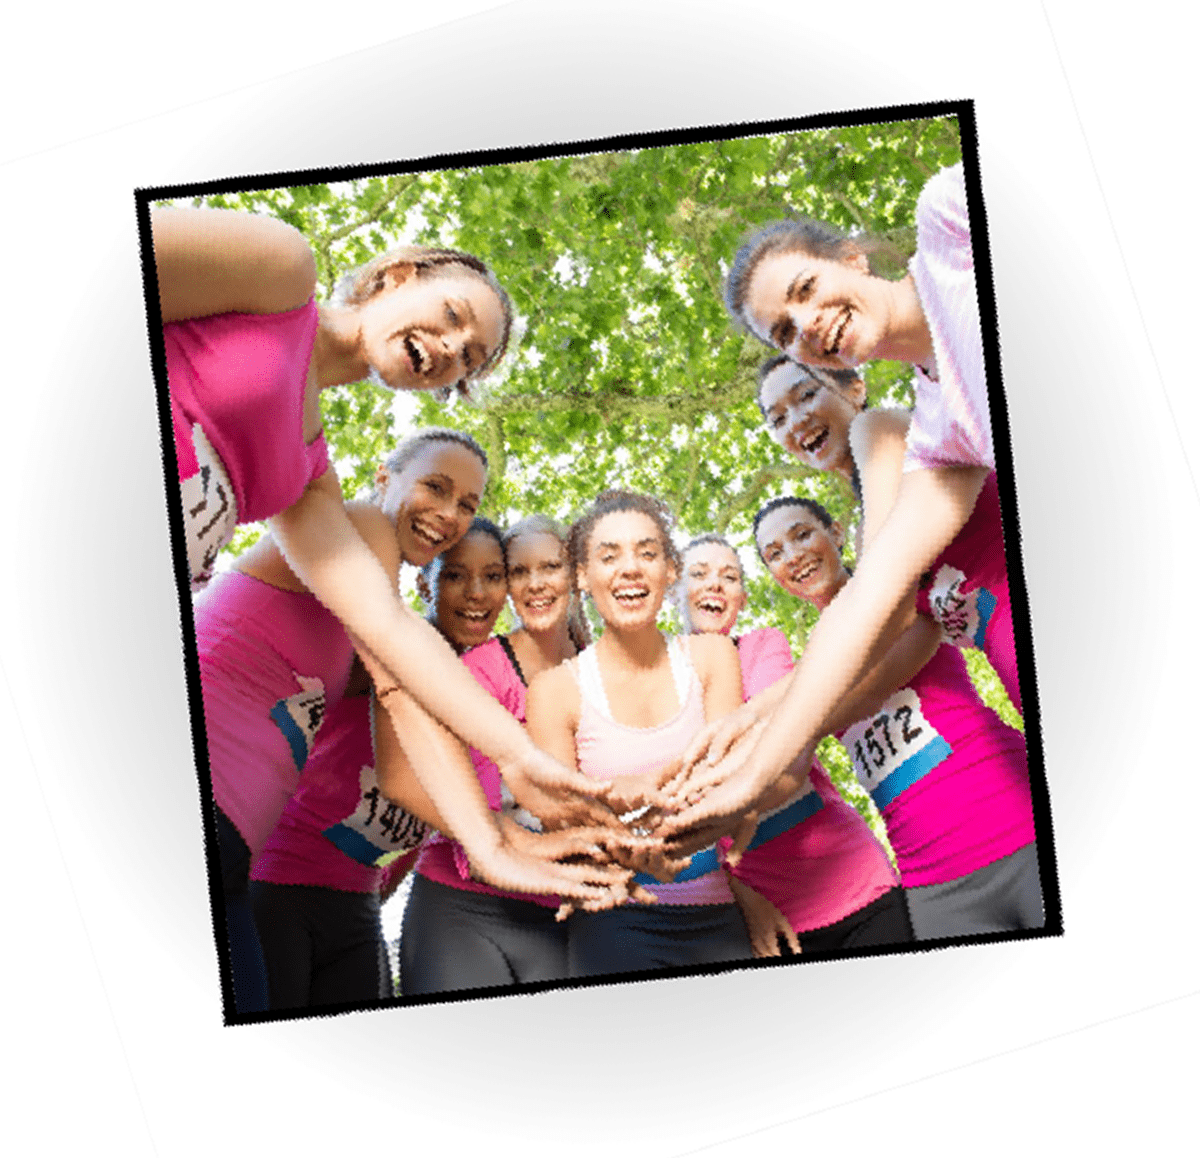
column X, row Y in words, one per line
column 813, row 873
column 949, row 777
column 460, row 933
column 808, row 291
column 815, row 414
column 247, row 354
column 316, row 885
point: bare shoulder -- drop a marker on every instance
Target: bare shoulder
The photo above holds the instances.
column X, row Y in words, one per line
column 377, row 532
column 554, row 690
column 879, row 423
column 212, row 261
column 713, row 652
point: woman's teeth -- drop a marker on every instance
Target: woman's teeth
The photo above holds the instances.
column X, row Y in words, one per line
column 835, row 339
column 630, row 594
column 416, row 355
column 428, row 535
column 815, row 442
column 803, row 574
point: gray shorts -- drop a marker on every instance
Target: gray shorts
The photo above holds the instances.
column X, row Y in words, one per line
column 1000, row 897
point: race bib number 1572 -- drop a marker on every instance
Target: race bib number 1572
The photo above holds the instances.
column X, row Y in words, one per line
column 895, row 748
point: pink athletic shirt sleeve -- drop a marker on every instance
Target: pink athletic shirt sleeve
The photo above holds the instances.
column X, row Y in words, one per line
column 338, row 831
column 814, row 858
column 237, row 385
column 951, row 423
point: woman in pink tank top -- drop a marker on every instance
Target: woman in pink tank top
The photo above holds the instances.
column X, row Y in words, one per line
column 247, row 353
column 949, row 777
column 624, row 708
column 808, row 291
column 813, row 874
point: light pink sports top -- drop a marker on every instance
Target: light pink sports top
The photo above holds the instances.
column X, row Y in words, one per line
column 607, row 749
column 951, row 423
column 237, row 385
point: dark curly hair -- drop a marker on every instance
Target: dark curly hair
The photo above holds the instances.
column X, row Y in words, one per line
column 610, row 502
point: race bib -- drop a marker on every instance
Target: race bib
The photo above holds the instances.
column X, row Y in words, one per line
column 962, row 615
column 209, row 510
column 299, row 716
column 377, row 831
column 896, row 748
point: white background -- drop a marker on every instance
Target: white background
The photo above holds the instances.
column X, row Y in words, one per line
column 113, row 1027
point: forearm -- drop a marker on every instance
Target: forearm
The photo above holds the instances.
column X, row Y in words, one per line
column 333, row 561
column 398, row 780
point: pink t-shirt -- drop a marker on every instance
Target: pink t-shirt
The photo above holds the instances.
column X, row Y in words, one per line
column 606, row 749
column 338, row 831
column 272, row 663
column 949, row 776
column 814, row 858
column 237, row 384
column 951, row 423
column 966, row 590
column 443, row 860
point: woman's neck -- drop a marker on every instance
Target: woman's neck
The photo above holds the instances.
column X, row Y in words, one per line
column 540, row 650
column 907, row 338
column 639, row 648
column 337, row 357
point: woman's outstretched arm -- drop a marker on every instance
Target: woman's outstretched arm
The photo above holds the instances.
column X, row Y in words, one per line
column 218, row 261
column 852, row 635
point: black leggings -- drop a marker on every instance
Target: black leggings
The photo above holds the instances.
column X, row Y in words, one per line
column 636, row 937
column 456, row 939
column 322, row 946
column 245, row 952
column 883, row 922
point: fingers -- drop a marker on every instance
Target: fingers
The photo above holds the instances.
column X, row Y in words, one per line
column 793, row 941
column 742, row 836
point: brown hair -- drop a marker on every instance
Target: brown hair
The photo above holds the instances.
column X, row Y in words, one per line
column 577, row 624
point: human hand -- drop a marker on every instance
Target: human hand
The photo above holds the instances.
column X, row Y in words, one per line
column 764, row 922
column 711, row 745
column 558, row 796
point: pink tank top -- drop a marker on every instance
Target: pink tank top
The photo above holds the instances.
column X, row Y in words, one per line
column 607, row 749
column 952, row 424
column 272, row 662
column 237, row 384
column 338, row 830
column 948, row 775
column 814, row 858
column 966, row 590
column 443, row 860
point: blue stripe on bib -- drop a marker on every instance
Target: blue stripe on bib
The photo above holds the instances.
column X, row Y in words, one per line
column 297, row 740
column 919, row 764
column 356, row 846
column 786, row 818
column 701, row 865
column 985, row 604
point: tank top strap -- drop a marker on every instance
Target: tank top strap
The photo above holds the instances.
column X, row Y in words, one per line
column 683, row 671
column 586, row 669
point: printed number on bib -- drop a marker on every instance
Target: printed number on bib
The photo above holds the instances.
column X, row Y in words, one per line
column 894, row 749
column 299, row 716
column 209, row 510
column 962, row 615
column 377, row 831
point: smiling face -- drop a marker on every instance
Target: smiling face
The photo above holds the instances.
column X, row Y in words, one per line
column 802, row 554
column 433, row 499
column 626, row 569
column 471, row 587
column 539, row 580
column 431, row 330
column 810, row 417
column 713, row 594
column 819, row 311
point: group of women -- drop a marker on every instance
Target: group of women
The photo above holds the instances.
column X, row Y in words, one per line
column 570, row 807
